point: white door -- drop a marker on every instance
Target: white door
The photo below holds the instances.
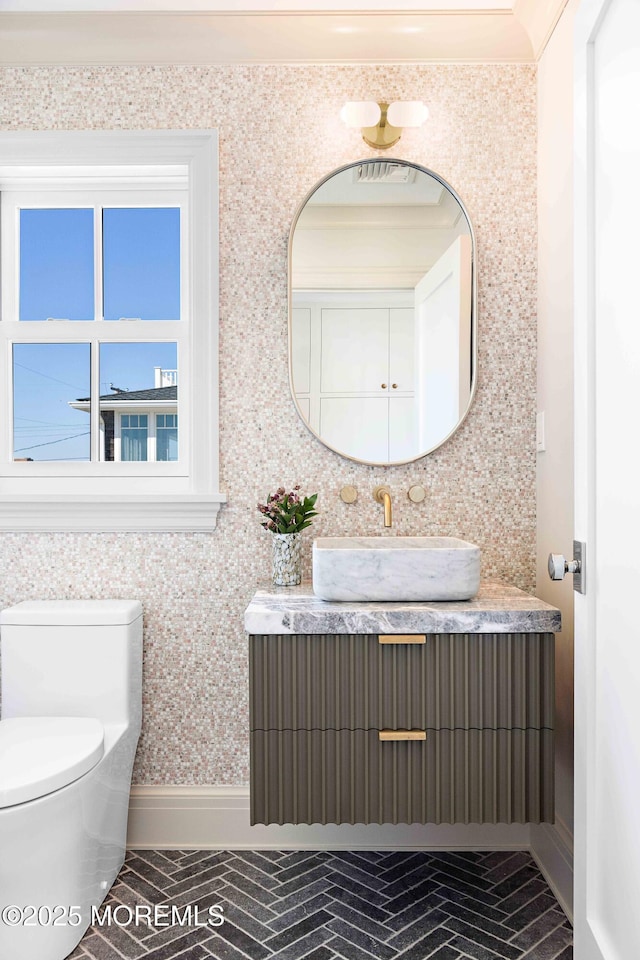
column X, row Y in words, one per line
column 443, row 344
column 607, row 345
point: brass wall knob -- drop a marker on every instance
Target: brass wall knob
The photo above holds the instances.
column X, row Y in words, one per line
column 416, row 493
column 348, row 494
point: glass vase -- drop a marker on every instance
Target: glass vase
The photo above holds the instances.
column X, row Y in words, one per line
column 287, row 559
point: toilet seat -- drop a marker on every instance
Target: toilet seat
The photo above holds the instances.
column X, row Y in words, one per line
column 41, row 754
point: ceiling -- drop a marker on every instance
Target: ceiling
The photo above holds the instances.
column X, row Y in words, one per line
column 95, row 32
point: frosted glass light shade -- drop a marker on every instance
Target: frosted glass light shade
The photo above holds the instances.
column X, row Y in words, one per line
column 360, row 113
column 407, row 113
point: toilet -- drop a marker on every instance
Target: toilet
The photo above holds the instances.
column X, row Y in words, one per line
column 70, row 719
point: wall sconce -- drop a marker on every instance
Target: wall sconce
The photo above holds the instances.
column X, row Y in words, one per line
column 382, row 123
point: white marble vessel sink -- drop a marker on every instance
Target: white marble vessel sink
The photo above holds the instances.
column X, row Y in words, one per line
column 395, row 568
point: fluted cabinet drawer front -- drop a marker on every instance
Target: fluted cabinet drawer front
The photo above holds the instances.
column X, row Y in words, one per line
column 452, row 681
column 454, row 776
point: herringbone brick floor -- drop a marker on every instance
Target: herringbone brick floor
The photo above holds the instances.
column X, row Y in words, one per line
column 320, row 905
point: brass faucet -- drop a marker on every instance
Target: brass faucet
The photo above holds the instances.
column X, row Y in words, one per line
column 382, row 495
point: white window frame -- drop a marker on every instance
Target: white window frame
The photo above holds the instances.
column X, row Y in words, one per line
column 171, row 495
column 95, row 332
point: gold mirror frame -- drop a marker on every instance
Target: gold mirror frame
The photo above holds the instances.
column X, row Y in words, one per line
column 474, row 309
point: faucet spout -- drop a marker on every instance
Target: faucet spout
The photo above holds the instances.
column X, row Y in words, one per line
column 386, row 499
column 382, row 495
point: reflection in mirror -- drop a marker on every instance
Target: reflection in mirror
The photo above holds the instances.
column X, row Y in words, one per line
column 382, row 311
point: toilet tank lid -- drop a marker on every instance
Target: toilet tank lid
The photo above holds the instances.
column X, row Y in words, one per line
column 72, row 612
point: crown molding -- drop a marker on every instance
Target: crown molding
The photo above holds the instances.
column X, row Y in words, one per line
column 251, row 6
column 539, row 18
column 101, row 33
column 278, row 37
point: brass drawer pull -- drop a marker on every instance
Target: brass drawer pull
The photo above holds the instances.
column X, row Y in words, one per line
column 402, row 734
column 402, row 638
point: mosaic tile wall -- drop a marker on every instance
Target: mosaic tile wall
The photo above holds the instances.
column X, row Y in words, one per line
column 279, row 133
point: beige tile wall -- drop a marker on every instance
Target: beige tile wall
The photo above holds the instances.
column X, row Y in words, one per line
column 279, row 133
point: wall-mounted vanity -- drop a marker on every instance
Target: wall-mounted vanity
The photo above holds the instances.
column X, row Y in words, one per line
column 382, row 311
column 401, row 713
column 393, row 712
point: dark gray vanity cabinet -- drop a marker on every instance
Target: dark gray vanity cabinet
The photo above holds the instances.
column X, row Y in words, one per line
column 436, row 728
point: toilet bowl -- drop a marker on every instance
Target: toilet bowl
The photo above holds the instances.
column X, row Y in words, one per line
column 70, row 719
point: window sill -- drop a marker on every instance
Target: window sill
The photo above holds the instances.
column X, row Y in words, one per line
column 106, row 514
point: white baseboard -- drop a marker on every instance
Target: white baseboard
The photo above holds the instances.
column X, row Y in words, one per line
column 217, row 817
column 552, row 849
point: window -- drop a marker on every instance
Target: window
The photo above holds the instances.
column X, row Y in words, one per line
column 134, row 436
column 166, row 436
column 108, row 330
column 77, row 265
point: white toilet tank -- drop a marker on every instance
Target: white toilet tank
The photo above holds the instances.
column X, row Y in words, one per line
column 72, row 658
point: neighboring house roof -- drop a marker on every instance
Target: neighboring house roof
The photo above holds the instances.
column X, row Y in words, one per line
column 125, row 396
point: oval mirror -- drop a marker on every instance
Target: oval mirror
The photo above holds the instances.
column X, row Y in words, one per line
column 382, row 311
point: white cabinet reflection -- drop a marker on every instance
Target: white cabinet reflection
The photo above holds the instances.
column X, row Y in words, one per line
column 381, row 316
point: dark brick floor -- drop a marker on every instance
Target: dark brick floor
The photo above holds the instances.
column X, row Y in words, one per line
column 319, row 905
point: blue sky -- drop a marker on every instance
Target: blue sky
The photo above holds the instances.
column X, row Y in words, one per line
column 47, row 376
column 141, row 266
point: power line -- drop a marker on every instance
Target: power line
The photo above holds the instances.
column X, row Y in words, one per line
column 46, row 375
column 49, row 442
column 43, row 431
column 48, row 423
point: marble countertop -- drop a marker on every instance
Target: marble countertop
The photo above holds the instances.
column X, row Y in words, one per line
column 498, row 608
